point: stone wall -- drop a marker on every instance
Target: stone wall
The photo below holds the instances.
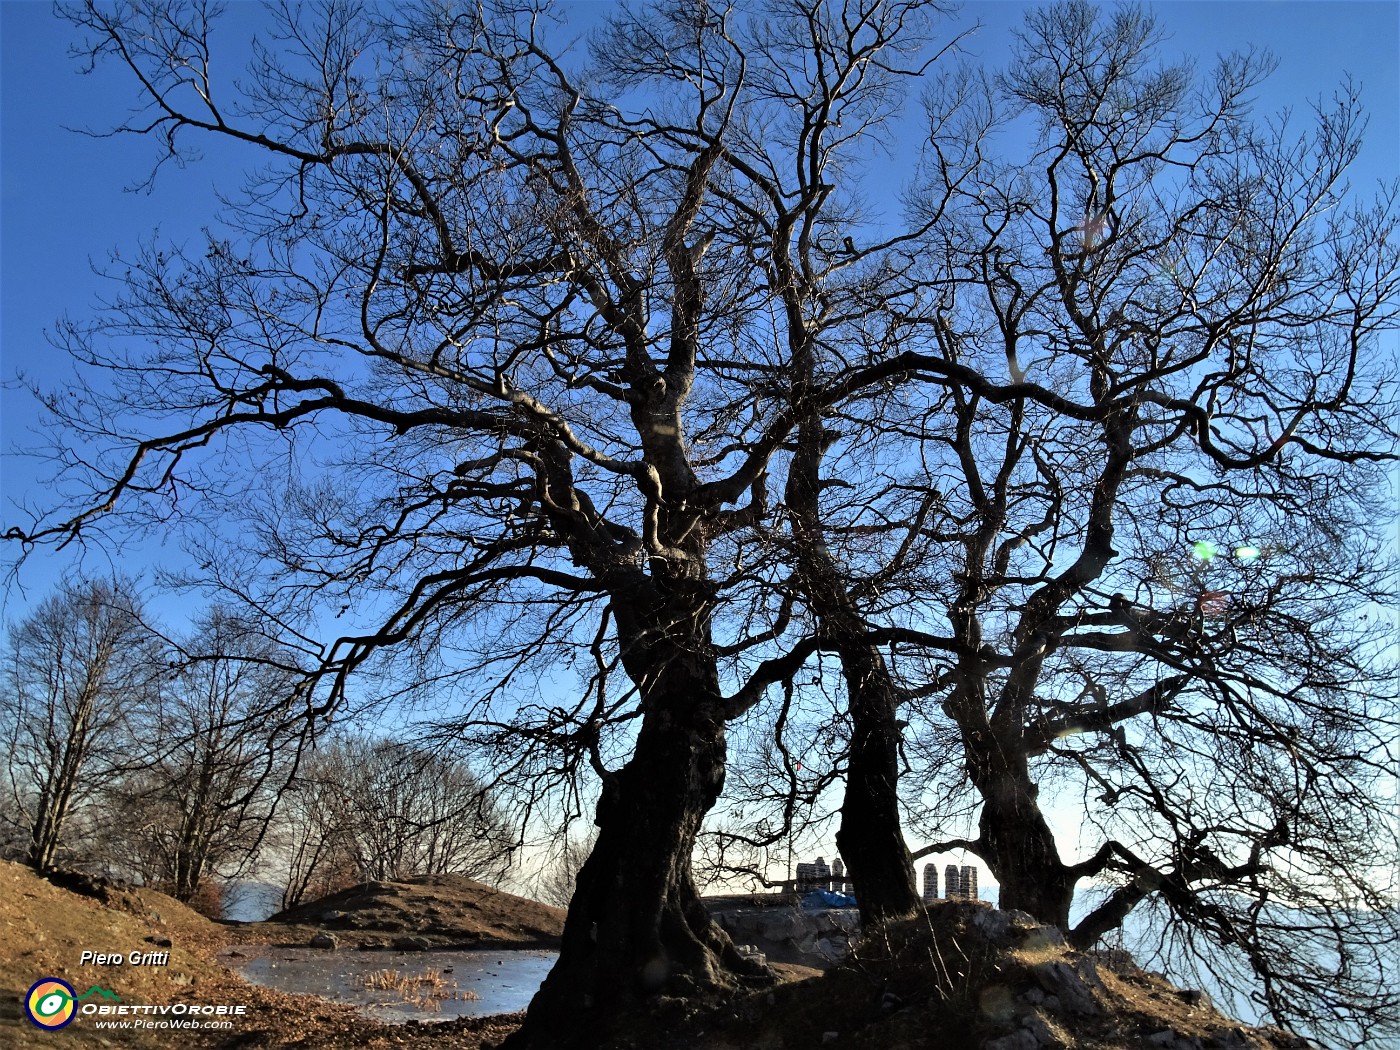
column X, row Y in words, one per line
column 821, row 934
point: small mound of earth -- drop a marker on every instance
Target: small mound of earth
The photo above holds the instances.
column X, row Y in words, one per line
column 961, row 975
column 432, row 911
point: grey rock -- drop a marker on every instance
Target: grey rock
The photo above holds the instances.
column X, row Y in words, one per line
column 1071, row 985
column 993, row 925
column 1040, row 1028
column 752, row 954
column 1043, row 937
column 1229, row 1039
column 1194, row 997
column 324, row 940
column 996, row 1003
column 787, row 925
column 1167, row 1039
column 834, row 948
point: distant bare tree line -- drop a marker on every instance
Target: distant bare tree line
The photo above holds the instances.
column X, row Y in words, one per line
column 179, row 763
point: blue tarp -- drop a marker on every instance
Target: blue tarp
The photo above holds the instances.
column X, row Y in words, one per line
column 827, row 899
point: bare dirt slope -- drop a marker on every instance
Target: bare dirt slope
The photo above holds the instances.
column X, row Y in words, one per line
column 436, row 910
column 44, row 930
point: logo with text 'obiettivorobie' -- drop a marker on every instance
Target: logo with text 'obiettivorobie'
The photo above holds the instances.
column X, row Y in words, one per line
column 52, row 1003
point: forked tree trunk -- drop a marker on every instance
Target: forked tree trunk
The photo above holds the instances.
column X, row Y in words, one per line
column 636, row 927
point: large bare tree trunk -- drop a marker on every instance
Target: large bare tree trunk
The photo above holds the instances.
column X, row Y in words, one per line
column 1017, row 843
column 636, row 927
column 871, row 836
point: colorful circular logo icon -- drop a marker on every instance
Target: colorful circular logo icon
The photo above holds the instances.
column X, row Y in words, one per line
column 51, row 1003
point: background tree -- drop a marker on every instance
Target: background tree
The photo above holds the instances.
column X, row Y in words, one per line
column 556, row 883
column 1150, row 493
column 364, row 809
column 400, row 810
column 219, row 737
column 79, row 669
column 309, row 835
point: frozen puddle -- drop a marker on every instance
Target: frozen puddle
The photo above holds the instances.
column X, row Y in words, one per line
column 402, row 986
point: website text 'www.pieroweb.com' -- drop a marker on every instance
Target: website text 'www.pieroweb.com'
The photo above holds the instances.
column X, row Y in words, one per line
column 165, row 1017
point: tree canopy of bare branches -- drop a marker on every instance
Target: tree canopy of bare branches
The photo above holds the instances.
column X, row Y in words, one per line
column 216, row 747
column 370, row 809
column 1126, row 544
column 79, row 670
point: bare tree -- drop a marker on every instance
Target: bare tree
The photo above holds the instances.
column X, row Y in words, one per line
column 365, row 809
column 557, row 881
column 535, row 334
column 404, row 810
column 218, row 739
column 1146, row 506
column 308, row 835
column 1121, row 543
column 536, row 324
column 79, row 669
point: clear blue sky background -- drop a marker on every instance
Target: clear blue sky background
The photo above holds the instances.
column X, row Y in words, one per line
column 65, row 206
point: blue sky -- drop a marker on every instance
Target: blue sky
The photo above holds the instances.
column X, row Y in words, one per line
column 65, row 201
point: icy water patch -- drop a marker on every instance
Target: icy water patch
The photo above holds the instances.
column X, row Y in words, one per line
column 502, row 981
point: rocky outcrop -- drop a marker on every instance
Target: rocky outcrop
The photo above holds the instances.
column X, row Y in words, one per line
column 1052, row 998
column 823, row 935
column 962, row 974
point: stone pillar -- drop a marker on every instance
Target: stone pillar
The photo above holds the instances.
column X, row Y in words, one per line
column 969, row 882
column 952, row 882
column 838, row 875
column 806, row 877
column 822, row 874
column 930, row 882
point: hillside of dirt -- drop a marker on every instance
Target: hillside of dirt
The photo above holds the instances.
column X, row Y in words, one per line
column 433, row 911
column 45, row 928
